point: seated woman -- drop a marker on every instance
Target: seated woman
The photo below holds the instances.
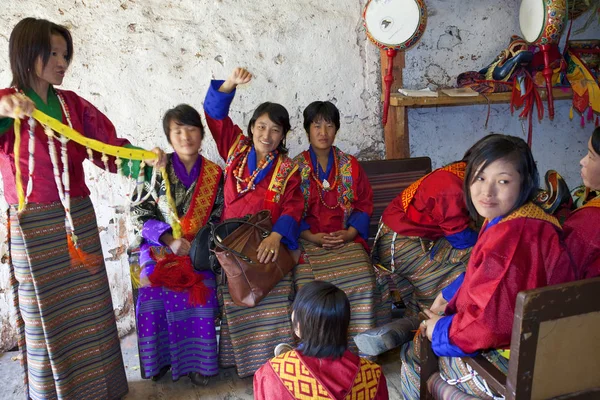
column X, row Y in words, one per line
column 519, row 248
column 258, row 175
column 176, row 305
column 425, row 238
column 321, row 366
column 581, row 227
column 338, row 202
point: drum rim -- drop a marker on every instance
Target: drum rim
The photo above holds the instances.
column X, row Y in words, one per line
column 414, row 38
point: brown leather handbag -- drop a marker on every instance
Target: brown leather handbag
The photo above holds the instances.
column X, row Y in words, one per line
column 248, row 280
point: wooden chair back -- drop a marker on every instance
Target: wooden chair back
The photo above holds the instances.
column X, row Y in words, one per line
column 555, row 346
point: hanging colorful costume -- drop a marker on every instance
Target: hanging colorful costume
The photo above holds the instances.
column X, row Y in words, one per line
column 582, row 239
column 294, row 376
column 336, row 199
column 66, row 324
column 176, row 320
column 249, row 335
column 424, row 237
column 520, row 251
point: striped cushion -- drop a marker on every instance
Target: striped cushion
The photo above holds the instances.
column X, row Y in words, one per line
column 440, row 390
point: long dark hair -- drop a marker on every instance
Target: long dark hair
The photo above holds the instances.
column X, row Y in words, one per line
column 279, row 115
column 322, row 314
column 29, row 40
column 596, row 140
column 494, row 147
column 185, row 115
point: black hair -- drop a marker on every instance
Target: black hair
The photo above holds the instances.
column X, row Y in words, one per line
column 495, row 147
column 29, row 40
column 325, row 110
column 596, row 140
column 279, row 115
column 322, row 315
column 184, row 115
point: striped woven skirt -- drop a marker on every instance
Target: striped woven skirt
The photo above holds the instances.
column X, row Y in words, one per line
column 350, row 269
column 67, row 331
column 421, row 268
column 249, row 334
column 171, row 332
column 451, row 368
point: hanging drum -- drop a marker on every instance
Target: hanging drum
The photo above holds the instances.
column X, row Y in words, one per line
column 542, row 23
column 394, row 25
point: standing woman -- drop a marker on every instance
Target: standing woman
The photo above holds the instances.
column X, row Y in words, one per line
column 176, row 305
column 258, row 175
column 66, row 324
column 581, row 227
column 338, row 202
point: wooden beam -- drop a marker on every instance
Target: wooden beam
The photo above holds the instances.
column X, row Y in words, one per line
column 396, row 134
column 396, row 129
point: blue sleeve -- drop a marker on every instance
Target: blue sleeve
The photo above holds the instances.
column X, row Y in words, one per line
column 304, row 226
column 440, row 341
column 287, row 227
column 216, row 104
column 152, row 231
column 463, row 239
column 360, row 221
column 449, row 291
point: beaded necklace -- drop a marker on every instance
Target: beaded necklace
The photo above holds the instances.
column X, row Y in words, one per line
column 249, row 180
column 325, row 186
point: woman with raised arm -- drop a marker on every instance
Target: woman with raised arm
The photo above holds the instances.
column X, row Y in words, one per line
column 258, row 176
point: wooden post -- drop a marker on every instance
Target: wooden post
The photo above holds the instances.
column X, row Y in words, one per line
column 396, row 130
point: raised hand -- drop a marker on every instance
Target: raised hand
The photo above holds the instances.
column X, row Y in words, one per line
column 239, row 76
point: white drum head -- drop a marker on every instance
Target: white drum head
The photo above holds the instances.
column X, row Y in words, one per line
column 532, row 17
column 392, row 23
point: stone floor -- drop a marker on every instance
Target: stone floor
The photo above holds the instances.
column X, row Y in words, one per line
column 226, row 385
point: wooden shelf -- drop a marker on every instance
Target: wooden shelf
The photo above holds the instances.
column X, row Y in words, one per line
column 443, row 100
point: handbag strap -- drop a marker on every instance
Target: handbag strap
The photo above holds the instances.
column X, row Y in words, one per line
column 219, row 243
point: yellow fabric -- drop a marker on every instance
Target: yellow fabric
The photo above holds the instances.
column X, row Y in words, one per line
column 581, row 80
column 17, row 155
column 504, row 353
column 71, row 134
column 302, row 385
column 530, row 210
column 174, row 220
column 200, row 207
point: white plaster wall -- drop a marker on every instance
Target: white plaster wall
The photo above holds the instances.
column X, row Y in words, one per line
column 134, row 59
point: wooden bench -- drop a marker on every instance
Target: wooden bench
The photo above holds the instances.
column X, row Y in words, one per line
column 555, row 348
column 388, row 178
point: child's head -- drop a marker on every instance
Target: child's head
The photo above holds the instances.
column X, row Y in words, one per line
column 183, row 129
column 39, row 49
column 501, row 176
column 320, row 316
column 590, row 164
column 321, row 122
column 268, row 127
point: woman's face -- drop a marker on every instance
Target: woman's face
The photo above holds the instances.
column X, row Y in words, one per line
column 590, row 168
column 266, row 134
column 495, row 189
column 321, row 134
column 55, row 69
column 185, row 139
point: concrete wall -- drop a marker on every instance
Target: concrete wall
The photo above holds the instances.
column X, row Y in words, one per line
column 135, row 59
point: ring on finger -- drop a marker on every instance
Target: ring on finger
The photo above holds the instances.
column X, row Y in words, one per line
column 272, row 251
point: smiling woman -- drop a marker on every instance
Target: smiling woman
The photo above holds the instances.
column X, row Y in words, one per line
column 519, row 248
column 258, row 176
